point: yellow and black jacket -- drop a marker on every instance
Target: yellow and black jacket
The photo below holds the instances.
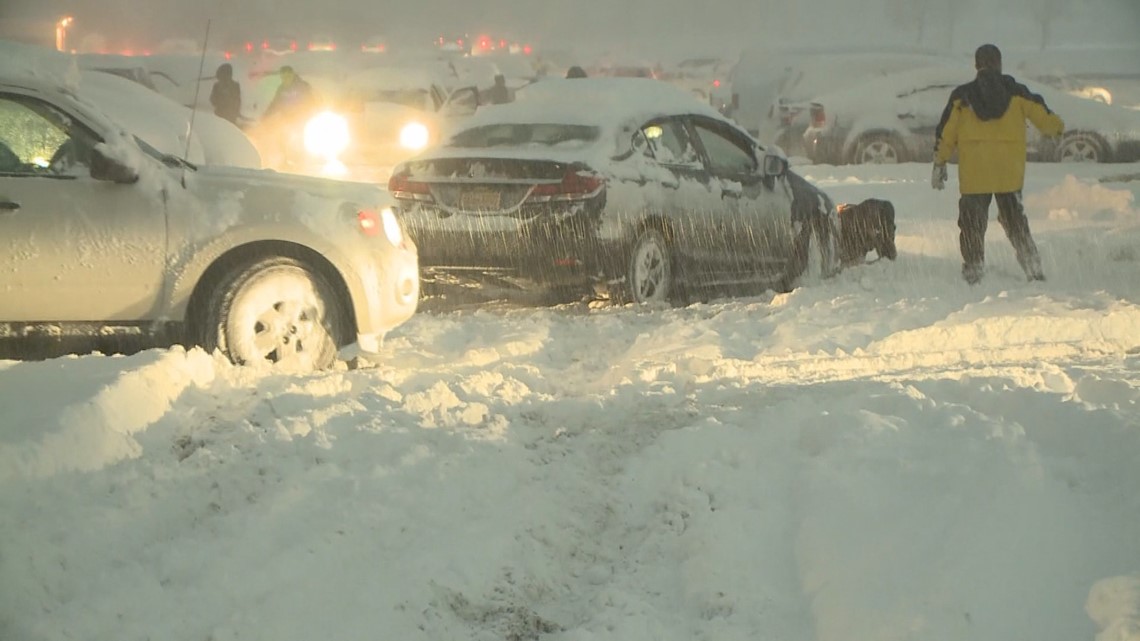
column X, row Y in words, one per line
column 985, row 121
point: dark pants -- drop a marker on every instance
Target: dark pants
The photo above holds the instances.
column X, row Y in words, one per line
column 973, row 218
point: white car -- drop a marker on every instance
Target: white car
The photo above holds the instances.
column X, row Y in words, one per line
column 893, row 119
column 107, row 233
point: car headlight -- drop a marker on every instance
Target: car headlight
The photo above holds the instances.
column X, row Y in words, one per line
column 392, row 229
column 326, row 135
column 414, row 136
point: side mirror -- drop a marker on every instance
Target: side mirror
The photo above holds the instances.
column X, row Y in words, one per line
column 775, row 165
column 103, row 167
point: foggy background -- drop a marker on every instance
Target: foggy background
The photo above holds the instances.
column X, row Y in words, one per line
column 636, row 28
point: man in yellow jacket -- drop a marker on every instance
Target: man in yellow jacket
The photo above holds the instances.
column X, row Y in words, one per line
column 985, row 121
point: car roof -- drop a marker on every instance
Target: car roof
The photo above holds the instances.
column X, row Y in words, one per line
column 604, row 102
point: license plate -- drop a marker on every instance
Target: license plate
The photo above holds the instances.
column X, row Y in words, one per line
column 480, row 200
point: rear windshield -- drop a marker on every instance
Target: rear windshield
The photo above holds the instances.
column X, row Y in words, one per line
column 518, row 135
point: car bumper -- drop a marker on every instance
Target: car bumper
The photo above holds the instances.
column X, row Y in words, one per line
column 554, row 248
column 385, row 292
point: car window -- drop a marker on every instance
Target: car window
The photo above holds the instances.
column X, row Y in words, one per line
column 37, row 139
column 728, row 155
column 669, row 143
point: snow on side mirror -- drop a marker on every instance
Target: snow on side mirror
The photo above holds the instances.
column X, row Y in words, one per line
column 775, row 165
column 103, row 167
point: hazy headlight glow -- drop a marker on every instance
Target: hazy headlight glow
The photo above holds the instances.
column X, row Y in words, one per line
column 326, row 135
column 391, row 227
column 414, row 136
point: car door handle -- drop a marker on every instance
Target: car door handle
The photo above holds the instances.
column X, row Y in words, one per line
column 8, row 205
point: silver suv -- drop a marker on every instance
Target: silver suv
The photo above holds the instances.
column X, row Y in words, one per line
column 105, row 233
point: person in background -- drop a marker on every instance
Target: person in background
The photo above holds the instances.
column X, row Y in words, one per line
column 225, row 96
column 985, row 121
column 285, row 117
column 294, row 96
column 499, row 94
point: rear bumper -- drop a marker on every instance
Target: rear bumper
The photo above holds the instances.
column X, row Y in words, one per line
column 553, row 248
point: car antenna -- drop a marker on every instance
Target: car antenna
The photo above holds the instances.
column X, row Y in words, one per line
column 194, row 106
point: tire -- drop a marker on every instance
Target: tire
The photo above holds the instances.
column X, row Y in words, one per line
column 276, row 312
column 649, row 272
column 1080, row 147
column 878, row 149
column 825, row 230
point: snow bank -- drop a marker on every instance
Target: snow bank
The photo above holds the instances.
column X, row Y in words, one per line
column 1076, row 199
column 1114, row 605
column 89, row 433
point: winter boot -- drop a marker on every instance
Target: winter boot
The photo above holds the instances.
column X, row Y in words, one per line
column 972, row 272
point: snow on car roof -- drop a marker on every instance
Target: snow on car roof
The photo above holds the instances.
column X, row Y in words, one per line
column 609, row 103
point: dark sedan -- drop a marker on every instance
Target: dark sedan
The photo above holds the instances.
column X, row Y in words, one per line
column 629, row 186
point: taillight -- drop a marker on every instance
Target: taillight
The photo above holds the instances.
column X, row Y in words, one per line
column 402, row 186
column 818, row 115
column 369, row 222
column 575, row 185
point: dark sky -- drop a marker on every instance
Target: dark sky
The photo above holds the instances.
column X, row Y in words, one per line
column 640, row 26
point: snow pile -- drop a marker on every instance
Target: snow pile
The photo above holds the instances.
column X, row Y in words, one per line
column 92, row 433
column 1114, row 605
column 1075, row 199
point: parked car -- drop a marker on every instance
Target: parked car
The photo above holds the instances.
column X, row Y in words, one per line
column 107, row 233
column 893, row 119
column 706, row 78
column 771, row 88
column 395, row 112
column 630, row 186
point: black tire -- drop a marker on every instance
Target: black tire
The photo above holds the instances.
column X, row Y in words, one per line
column 878, row 149
column 648, row 276
column 275, row 311
column 1080, row 147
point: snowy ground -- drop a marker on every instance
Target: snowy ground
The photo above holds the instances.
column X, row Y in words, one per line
column 888, row 455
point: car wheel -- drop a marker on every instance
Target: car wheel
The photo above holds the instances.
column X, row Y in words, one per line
column 275, row 312
column 819, row 238
column 649, row 273
column 878, row 149
column 1080, row 147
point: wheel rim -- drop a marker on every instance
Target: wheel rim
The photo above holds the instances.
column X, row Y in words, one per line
column 279, row 320
column 650, row 274
column 879, row 152
column 1079, row 150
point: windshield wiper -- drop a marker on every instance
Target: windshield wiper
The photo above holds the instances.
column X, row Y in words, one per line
column 170, row 160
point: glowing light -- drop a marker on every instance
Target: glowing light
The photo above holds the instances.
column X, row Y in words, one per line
column 414, row 136
column 326, row 135
column 61, row 32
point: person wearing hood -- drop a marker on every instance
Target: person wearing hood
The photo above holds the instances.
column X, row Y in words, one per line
column 984, row 121
column 225, row 96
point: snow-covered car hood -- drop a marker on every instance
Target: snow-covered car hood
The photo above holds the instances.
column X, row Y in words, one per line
column 238, row 178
